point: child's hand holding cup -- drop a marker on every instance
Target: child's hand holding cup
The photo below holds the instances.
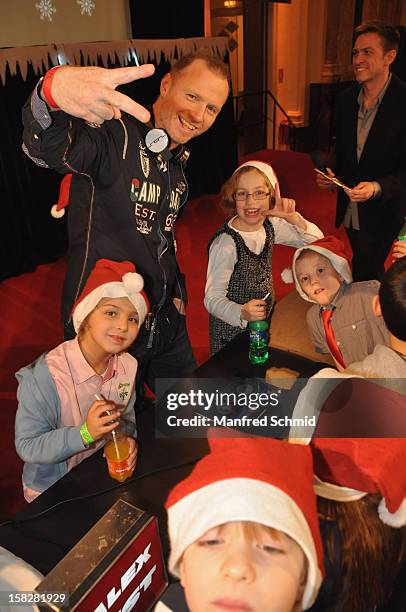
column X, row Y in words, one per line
column 102, row 418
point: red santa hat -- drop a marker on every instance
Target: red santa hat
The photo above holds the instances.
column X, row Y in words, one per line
column 262, row 167
column 330, row 247
column 58, row 209
column 350, row 468
column 111, row 279
column 249, row 479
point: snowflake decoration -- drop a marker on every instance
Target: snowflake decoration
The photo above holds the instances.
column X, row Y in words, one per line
column 86, row 7
column 46, row 9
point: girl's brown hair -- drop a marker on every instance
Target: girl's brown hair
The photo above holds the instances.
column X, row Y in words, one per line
column 227, row 202
column 83, row 326
column 363, row 562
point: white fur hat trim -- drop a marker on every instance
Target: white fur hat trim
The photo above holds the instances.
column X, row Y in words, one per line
column 263, row 167
column 334, row 492
column 130, row 287
column 340, row 265
column 241, row 499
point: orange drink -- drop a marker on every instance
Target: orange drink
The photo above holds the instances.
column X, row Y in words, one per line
column 117, row 451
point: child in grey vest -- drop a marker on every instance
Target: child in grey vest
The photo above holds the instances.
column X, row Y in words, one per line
column 239, row 272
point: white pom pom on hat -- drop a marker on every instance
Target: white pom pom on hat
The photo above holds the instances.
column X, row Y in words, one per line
column 287, row 276
column 57, row 213
column 111, row 279
column 133, row 282
column 395, row 519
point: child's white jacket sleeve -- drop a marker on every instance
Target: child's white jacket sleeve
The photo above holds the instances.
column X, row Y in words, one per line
column 222, row 259
column 292, row 235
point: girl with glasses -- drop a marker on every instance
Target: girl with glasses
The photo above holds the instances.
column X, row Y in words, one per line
column 239, row 272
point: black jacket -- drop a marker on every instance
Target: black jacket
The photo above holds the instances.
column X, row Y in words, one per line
column 383, row 158
column 123, row 200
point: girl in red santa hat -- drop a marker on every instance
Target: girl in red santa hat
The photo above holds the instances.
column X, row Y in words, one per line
column 72, row 397
column 361, row 497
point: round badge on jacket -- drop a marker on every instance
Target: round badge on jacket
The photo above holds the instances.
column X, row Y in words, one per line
column 156, row 140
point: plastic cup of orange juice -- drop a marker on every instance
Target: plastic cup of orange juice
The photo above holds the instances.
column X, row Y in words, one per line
column 117, row 451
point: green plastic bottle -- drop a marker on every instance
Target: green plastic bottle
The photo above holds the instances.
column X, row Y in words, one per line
column 258, row 352
column 402, row 233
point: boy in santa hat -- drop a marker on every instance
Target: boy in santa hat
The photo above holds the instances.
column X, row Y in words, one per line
column 389, row 304
column 71, row 398
column 342, row 321
column 387, row 362
column 386, row 365
column 244, row 530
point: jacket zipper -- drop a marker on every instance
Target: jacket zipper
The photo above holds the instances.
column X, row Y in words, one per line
column 65, row 163
column 161, row 251
column 125, row 139
column 91, row 202
column 173, row 231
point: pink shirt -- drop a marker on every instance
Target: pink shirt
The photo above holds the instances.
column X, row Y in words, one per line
column 77, row 384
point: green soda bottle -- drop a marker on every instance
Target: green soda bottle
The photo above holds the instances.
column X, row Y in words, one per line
column 258, row 352
column 402, row 233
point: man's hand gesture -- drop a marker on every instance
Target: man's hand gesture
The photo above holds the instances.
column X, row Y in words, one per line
column 90, row 92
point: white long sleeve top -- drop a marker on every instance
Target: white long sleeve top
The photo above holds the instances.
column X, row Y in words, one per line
column 223, row 257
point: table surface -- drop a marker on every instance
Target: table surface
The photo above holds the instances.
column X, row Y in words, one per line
column 44, row 540
column 233, row 360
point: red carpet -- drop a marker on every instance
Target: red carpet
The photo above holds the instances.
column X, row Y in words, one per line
column 30, row 302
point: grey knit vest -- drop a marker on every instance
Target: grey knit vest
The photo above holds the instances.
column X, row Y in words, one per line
column 251, row 279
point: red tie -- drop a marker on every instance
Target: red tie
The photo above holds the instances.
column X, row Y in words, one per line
column 331, row 341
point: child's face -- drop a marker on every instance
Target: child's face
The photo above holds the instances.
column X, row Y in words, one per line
column 250, row 210
column 111, row 327
column 226, row 570
column 317, row 277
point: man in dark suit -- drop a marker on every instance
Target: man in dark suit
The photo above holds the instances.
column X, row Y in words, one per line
column 371, row 151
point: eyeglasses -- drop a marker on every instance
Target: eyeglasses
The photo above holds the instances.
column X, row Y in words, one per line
column 242, row 194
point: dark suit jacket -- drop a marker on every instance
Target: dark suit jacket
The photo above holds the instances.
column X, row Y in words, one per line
column 383, row 159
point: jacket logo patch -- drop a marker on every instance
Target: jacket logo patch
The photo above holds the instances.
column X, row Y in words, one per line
column 145, row 192
column 181, row 188
column 162, row 164
column 144, row 159
column 143, row 227
column 169, row 221
column 123, row 390
column 134, row 191
column 175, row 199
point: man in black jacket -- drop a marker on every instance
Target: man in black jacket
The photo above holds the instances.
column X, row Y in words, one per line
column 371, row 151
column 127, row 183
